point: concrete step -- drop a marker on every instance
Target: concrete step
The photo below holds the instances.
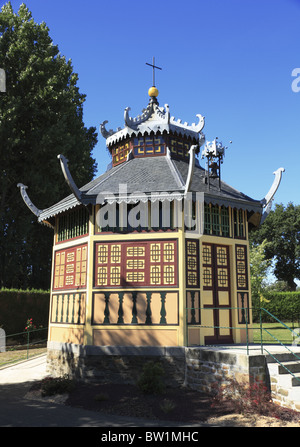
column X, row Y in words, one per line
column 283, row 357
column 288, row 367
column 296, row 380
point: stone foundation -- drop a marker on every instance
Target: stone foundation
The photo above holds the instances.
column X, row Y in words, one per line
column 110, row 364
column 207, row 367
column 198, row 368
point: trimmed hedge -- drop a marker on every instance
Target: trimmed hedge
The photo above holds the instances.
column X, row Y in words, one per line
column 283, row 305
column 17, row 306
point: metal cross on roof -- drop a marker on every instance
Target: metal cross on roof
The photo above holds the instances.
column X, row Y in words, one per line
column 153, row 67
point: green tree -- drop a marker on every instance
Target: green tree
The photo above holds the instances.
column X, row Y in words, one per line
column 281, row 229
column 259, row 269
column 41, row 116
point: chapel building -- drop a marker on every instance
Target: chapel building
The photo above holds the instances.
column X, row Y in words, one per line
column 153, row 252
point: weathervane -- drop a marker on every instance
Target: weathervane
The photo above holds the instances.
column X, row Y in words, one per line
column 214, row 152
column 153, row 67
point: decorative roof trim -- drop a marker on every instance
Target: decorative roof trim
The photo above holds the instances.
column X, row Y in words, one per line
column 275, row 185
column 191, row 168
column 254, row 206
column 144, row 198
column 27, row 200
column 153, row 119
column 69, row 179
column 268, row 199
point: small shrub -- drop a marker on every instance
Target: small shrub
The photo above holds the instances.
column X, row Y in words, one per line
column 56, row 385
column 101, row 397
column 150, row 381
column 167, row 405
column 251, row 399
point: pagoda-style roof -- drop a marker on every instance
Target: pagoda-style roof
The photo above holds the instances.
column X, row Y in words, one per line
column 165, row 174
column 154, row 178
column 153, row 119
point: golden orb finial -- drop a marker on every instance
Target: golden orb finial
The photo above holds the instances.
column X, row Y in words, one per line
column 153, row 92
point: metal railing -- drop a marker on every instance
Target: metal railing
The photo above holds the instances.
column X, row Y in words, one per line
column 244, row 318
column 22, row 345
column 293, row 333
column 254, row 344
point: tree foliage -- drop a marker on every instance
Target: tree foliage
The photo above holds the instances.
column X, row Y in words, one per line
column 259, row 269
column 281, row 230
column 41, row 116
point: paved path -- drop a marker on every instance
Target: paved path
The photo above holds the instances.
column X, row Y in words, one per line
column 17, row 411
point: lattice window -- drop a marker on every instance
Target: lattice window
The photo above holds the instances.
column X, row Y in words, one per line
column 221, row 256
column 206, row 254
column 192, row 263
column 169, row 251
column 70, row 268
column 102, row 276
column 136, row 251
column 115, row 276
column 135, row 277
column 136, row 263
column 241, row 267
column 155, row 253
column 207, row 276
column 120, row 152
column 115, row 254
column 169, row 274
column 148, row 145
column 155, row 274
column 179, row 147
column 102, row 254
column 222, row 277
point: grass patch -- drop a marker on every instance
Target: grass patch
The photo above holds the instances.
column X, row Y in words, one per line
column 12, row 356
column 272, row 332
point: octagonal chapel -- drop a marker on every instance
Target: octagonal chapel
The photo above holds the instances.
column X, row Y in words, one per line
column 153, row 252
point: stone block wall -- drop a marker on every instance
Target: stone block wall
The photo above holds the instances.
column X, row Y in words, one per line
column 207, row 367
column 198, row 368
column 113, row 364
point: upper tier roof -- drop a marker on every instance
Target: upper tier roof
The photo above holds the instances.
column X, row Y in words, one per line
column 164, row 177
column 153, row 119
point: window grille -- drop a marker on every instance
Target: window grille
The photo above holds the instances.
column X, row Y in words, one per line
column 73, row 224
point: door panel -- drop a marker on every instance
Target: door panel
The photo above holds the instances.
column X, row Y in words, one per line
column 216, row 286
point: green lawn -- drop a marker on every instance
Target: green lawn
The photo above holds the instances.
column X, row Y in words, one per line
column 16, row 355
column 277, row 330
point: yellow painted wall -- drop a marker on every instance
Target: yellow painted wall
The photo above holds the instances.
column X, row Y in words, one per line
column 94, row 332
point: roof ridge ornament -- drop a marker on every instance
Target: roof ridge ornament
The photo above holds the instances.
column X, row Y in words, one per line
column 191, row 168
column 105, row 133
column 68, row 177
column 134, row 122
column 193, row 127
column 268, row 199
column 27, row 200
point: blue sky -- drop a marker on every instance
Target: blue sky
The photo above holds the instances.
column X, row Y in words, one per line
column 229, row 60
